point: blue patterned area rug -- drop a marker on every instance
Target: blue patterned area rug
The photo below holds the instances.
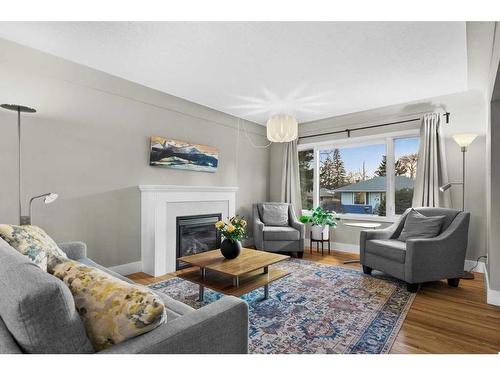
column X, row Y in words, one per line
column 316, row 309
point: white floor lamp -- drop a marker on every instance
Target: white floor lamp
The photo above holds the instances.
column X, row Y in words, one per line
column 464, row 141
column 49, row 197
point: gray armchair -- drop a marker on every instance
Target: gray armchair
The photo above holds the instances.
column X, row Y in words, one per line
column 277, row 229
column 421, row 259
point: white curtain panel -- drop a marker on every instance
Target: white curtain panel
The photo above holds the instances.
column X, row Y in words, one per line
column 290, row 180
column 431, row 169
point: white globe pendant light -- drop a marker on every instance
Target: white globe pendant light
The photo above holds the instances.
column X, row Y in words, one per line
column 282, row 128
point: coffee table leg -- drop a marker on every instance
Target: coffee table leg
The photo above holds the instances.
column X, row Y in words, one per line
column 236, row 281
column 266, row 291
column 201, row 295
column 266, row 269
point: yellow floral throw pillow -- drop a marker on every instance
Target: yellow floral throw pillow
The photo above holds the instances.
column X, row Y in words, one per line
column 112, row 310
column 31, row 241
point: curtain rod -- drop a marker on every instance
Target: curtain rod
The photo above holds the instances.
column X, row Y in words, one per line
column 348, row 131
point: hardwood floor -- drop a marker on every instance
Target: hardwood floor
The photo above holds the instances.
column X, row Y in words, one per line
column 441, row 319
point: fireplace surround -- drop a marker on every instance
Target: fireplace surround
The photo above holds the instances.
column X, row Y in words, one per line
column 160, row 207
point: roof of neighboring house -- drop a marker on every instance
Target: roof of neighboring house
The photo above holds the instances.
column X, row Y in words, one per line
column 376, row 184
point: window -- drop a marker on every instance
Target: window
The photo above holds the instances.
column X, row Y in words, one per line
column 348, row 181
column 406, row 156
column 359, row 198
column 351, row 178
column 306, row 171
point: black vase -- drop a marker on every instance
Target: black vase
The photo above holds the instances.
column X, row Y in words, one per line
column 230, row 249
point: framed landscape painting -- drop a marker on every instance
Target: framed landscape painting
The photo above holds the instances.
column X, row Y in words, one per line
column 171, row 153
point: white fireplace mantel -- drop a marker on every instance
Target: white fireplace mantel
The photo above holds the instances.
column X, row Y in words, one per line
column 160, row 206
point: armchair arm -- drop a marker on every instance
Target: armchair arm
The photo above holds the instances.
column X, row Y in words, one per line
column 258, row 229
column 218, row 328
column 375, row 234
column 429, row 259
column 74, row 250
column 295, row 223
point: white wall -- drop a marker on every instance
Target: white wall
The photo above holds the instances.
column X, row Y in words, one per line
column 89, row 141
column 468, row 114
column 493, row 170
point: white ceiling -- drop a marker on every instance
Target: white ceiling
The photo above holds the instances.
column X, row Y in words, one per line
column 251, row 70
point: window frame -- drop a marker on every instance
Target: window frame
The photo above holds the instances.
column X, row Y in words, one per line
column 388, row 140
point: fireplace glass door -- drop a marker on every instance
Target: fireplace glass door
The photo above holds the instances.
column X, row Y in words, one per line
column 196, row 234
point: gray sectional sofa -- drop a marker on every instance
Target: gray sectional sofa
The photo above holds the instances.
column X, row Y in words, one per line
column 38, row 315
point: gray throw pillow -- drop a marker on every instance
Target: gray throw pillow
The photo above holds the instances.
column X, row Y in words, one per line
column 275, row 214
column 420, row 226
column 37, row 308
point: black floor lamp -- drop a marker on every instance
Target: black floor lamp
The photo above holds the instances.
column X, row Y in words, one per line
column 464, row 141
column 49, row 197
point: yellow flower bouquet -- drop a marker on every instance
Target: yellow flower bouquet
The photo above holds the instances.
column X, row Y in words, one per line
column 233, row 232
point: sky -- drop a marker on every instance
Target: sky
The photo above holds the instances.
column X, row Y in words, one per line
column 353, row 157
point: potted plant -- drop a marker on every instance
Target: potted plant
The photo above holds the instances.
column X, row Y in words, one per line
column 233, row 232
column 321, row 221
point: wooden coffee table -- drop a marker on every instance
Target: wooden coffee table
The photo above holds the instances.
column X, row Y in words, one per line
column 249, row 271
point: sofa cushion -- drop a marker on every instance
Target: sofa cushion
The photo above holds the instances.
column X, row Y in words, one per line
column 281, row 234
column 112, row 310
column 31, row 241
column 275, row 214
column 389, row 249
column 420, row 226
column 37, row 308
column 449, row 214
column 173, row 308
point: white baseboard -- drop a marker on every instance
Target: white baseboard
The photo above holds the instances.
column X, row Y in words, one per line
column 345, row 247
column 471, row 263
column 128, row 268
column 338, row 246
column 492, row 296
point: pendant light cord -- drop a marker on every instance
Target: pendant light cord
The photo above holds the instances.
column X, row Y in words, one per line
column 249, row 139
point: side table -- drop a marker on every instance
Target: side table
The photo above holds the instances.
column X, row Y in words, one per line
column 360, row 225
column 322, row 241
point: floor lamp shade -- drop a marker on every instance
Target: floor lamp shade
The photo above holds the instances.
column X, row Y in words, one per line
column 465, row 139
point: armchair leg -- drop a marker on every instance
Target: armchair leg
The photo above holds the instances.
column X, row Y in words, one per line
column 300, row 254
column 367, row 270
column 412, row 288
column 453, row 282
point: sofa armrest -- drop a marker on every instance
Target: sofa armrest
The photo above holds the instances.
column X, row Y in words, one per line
column 429, row 259
column 375, row 234
column 218, row 328
column 74, row 250
column 258, row 229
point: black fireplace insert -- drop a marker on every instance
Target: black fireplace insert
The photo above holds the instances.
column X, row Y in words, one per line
column 196, row 234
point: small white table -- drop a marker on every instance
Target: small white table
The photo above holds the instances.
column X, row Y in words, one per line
column 364, row 225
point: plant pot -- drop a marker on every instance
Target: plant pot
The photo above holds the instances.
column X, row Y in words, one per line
column 320, row 232
column 230, row 249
